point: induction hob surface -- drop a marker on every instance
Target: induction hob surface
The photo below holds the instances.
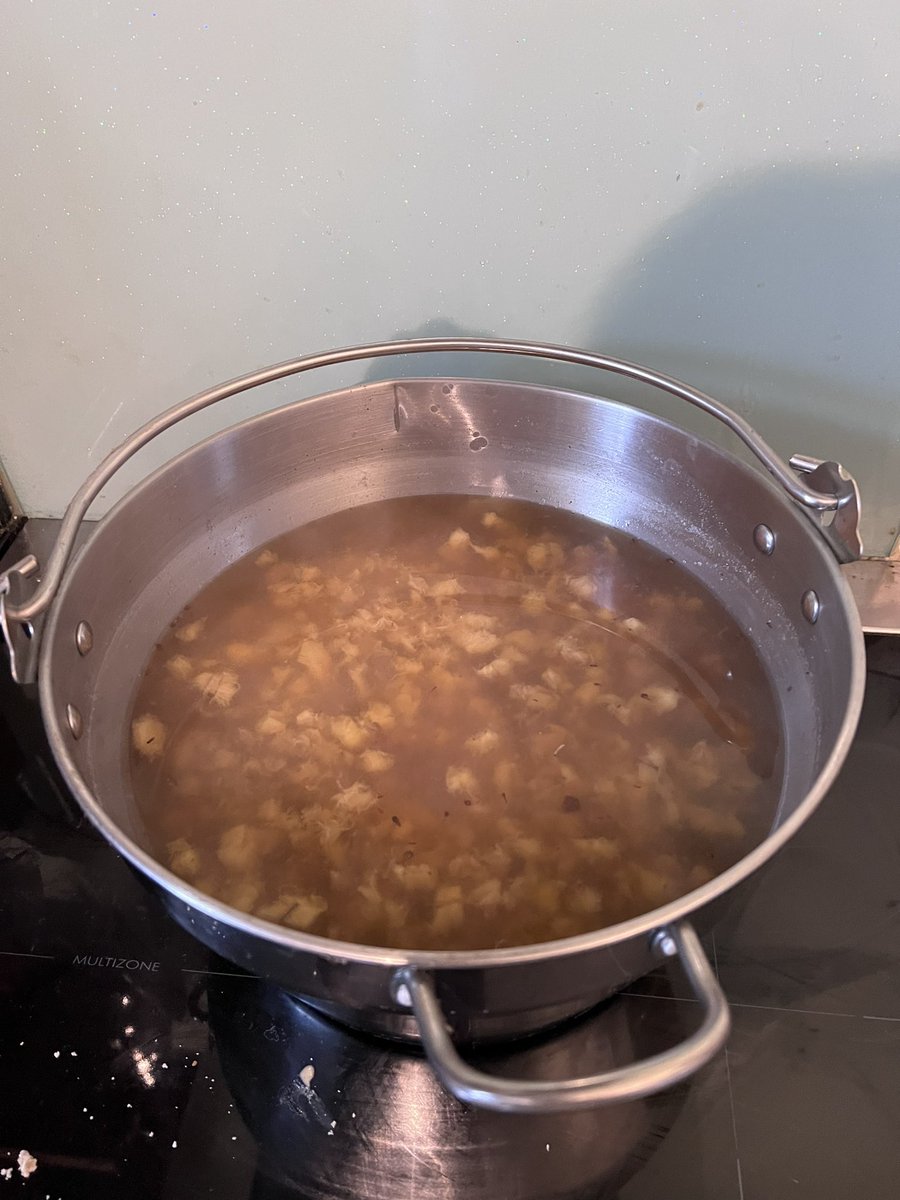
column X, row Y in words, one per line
column 135, row 1064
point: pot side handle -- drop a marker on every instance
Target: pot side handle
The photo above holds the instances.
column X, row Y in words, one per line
column 826, row 492
column 630, row 1082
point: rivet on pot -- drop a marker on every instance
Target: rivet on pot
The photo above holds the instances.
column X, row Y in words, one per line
column 84, row 638
column 811, row 606
column 401, row 995
column 74, row 721
column 664, row 943
column 764, row 539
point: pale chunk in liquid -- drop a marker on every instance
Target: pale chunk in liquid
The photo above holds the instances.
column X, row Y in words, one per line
column 453, row 723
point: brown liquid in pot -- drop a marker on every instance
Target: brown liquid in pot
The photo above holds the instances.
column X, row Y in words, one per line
column 454, row 723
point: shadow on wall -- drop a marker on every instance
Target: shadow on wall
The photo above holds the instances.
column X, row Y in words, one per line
column 779, row 294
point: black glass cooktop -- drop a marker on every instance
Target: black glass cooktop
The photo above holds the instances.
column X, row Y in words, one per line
column 133, row 1064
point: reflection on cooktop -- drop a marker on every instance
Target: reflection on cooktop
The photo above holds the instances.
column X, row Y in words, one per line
column 336, row 1114
column 134, row 1064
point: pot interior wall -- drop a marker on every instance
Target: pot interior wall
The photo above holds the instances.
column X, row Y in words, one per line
column 623, row 467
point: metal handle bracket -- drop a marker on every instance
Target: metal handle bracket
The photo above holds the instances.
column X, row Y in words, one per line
column 842, row 533
column 18, row 634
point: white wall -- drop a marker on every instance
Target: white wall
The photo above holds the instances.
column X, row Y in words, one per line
column 193, row 189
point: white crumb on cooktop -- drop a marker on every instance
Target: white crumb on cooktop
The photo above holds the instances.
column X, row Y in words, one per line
column 27, row 1164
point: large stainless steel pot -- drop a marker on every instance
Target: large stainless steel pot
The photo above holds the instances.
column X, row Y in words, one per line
column 763, row 544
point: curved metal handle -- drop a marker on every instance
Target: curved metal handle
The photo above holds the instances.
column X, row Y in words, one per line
column 654, row 1074
column 42, row 597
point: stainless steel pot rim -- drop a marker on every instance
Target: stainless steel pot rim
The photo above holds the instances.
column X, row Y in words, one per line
column 337, row 951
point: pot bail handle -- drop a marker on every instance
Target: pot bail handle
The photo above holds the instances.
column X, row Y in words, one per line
column 631, row 1082
column 18, row 610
